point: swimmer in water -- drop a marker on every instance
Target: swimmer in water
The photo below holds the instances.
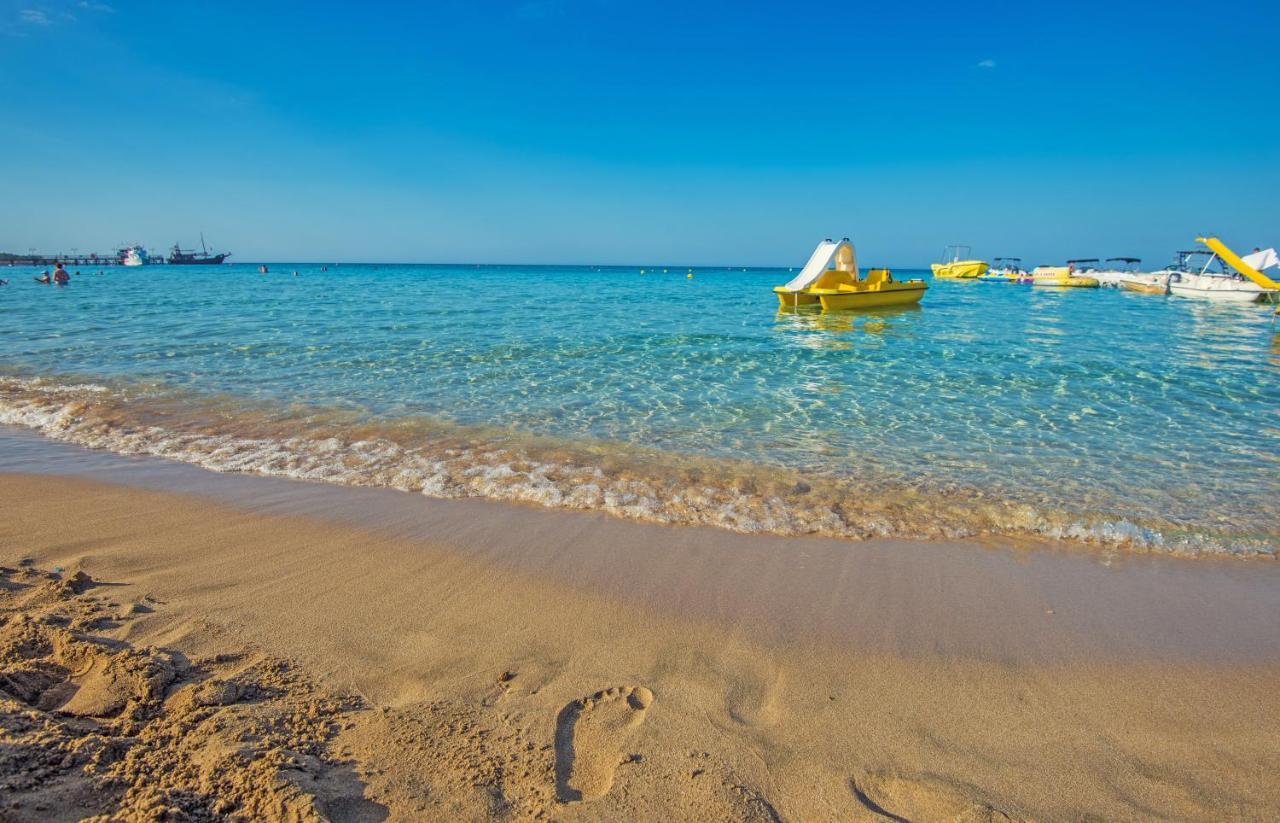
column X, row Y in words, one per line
column 60, row 275
column 43, row 278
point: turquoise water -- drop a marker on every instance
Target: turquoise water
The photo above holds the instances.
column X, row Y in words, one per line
column 1149, row 416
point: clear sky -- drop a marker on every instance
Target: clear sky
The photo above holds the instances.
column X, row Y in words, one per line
column 601, row 131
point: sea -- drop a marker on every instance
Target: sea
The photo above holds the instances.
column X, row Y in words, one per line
column 676, row 395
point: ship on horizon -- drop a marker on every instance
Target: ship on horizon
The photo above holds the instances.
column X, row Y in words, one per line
column 134, row 255
column 178, row 257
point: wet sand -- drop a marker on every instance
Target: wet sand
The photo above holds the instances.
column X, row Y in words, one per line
column 367, row 655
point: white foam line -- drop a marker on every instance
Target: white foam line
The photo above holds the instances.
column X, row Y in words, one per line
column 65, row 412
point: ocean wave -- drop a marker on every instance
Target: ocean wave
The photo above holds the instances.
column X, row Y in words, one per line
column 449, row 461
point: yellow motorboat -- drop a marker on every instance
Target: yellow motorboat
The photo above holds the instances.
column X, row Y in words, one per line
column 958, row 268
column 831, row 279
column 1062, row 277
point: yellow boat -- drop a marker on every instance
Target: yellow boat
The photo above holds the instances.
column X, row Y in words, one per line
column 1062, row 277
column 1141, row 287
column 877, row 290
column 831, row 279
column 957, row 268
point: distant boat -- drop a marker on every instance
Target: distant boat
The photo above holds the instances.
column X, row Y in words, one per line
column 1116, row 270
column 178, row 257
column 133, row 256
column 1128, row 276
column 955, row 267
column 1218, row 274
column 831, row 279
column 1006, row 270
column 1062, row 277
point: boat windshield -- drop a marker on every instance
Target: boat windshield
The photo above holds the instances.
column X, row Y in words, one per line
column 1199, row 262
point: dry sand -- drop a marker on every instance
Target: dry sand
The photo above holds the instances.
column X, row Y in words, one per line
column 194, row 660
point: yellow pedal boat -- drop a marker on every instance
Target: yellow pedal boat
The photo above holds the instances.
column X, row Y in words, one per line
column 957, row 268
column 831, row 279
column 1061, row 277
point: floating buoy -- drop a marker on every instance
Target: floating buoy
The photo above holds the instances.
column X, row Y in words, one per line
column 689, row 275
column 664, row 271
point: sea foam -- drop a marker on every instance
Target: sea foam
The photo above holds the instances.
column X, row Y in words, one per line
column 448, row 461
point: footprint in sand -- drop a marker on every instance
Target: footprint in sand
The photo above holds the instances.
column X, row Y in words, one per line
column 590, row 734
column 893, row 797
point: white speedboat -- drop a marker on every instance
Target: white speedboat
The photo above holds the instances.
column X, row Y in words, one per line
column 1084, row 267
column 1006, row 270
column 1204, row 275
column 1114, row 270
column 1125, row 273
column 134, row 256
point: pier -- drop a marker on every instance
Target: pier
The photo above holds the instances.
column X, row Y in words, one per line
column 73, row 259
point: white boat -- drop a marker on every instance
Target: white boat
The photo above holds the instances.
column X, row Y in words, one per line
column 1006, row 270
column 134, row 256
column 1125, row 273
column 1085, row 267
column 1195, row 275
column 1115, row 270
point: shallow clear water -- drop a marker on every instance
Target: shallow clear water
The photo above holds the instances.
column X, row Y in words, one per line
column 1113, row 406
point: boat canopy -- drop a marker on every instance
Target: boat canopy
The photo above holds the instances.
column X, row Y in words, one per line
column 829, row 255
column 1084, row 260
column 1124, row 259
column 1261, row 260
column 1008, row 259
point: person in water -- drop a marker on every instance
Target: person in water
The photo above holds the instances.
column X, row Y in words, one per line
column 43, row 278
column 60, row 275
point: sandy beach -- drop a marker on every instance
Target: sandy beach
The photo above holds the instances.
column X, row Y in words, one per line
column 545, row 410
column 176, row 653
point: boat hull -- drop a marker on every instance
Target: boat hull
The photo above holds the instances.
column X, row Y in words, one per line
column 1112, row 279
column 1218, row 287
column 1071, row 282
column 897, row 294
column 960, row 269
column 1223, row 295
column 1141, row 287
column 795, row 299
column 211, row 260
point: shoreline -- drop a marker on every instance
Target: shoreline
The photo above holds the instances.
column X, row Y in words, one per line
column 422, row 455
column 461, row 660
column 1019, row 601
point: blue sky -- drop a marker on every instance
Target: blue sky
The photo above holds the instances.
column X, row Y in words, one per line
column 614, row 132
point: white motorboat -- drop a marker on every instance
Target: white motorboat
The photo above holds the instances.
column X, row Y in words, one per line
column 1126, row 273
column 1115, row 269
column 1204, row 275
